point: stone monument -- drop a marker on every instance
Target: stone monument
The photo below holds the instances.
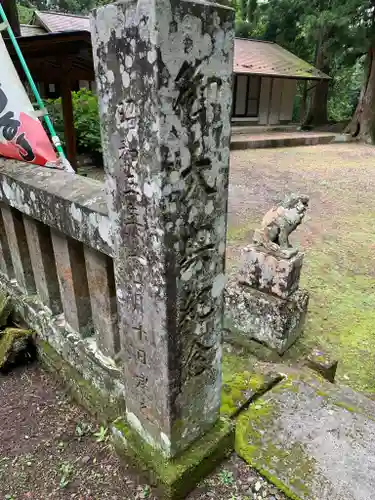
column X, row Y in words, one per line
column 164, row 76
column 264, row 302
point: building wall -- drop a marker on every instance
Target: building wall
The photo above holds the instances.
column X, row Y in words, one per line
column 276, row 98
column 288, row 93
column 275, row 101
column 264, row 100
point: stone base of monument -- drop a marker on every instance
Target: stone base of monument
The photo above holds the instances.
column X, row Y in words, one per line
column 264, row 302
column 269, row 273
column 268, row 319
column 177, row 476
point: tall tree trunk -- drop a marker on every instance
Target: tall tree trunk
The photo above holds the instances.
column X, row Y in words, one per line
column 318, row 112
column 362, row 124
column 243, row 10
column 252, row 6
column 302, row 111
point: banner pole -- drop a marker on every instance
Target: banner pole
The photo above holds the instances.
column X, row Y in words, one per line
column 55, row 139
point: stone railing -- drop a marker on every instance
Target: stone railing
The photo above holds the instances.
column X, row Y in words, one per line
column 55, row 258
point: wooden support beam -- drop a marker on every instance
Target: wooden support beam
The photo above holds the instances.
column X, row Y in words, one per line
column 302, row 113
column 69, row 130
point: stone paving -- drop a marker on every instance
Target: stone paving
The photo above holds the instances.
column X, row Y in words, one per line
column 313, row 437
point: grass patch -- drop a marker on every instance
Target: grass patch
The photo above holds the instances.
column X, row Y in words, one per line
column 341, row 314
column 238, row 234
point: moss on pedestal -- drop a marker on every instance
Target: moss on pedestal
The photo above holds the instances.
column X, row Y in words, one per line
column 176, row 476
column 102, row 405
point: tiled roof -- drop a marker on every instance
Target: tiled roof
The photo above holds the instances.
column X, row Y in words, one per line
column 267, row 58
column 55, row 22
column 30, row 30
column 250, row 56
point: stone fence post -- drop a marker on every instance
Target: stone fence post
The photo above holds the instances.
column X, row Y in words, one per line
column 164, row 74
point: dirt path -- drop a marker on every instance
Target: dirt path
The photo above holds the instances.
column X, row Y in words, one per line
column 51, row 449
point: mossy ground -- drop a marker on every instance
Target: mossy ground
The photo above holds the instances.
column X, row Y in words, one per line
column 179, row 475
column 243, row 383
column 338, row 239
column 237, row 390
column 341, row 315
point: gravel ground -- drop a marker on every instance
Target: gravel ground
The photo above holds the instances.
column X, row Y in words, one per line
column 337, row 177
column 51, row 449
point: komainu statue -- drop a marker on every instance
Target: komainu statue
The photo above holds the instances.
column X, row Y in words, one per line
column 278, row 223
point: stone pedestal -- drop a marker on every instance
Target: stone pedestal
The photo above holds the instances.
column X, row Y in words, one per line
column 273, row 321
column 164, row 76
column 264, row 302
column 270, row 274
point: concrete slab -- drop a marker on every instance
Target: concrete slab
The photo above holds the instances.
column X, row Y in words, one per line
column 313, row 439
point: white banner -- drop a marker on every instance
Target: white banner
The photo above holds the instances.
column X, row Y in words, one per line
column 22, row 136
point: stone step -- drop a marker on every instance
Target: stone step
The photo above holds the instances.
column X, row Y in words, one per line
column 312, row 439
column 278, row 140
column 262, row 129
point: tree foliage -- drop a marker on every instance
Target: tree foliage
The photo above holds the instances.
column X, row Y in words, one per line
column 72, row 6
column 338, row 37
column 86, row 120
column 25, row 14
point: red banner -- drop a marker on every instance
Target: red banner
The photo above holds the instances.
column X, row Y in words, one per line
column 22, row 136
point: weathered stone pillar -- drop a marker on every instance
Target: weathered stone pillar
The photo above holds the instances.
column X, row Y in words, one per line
column 164, row 72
